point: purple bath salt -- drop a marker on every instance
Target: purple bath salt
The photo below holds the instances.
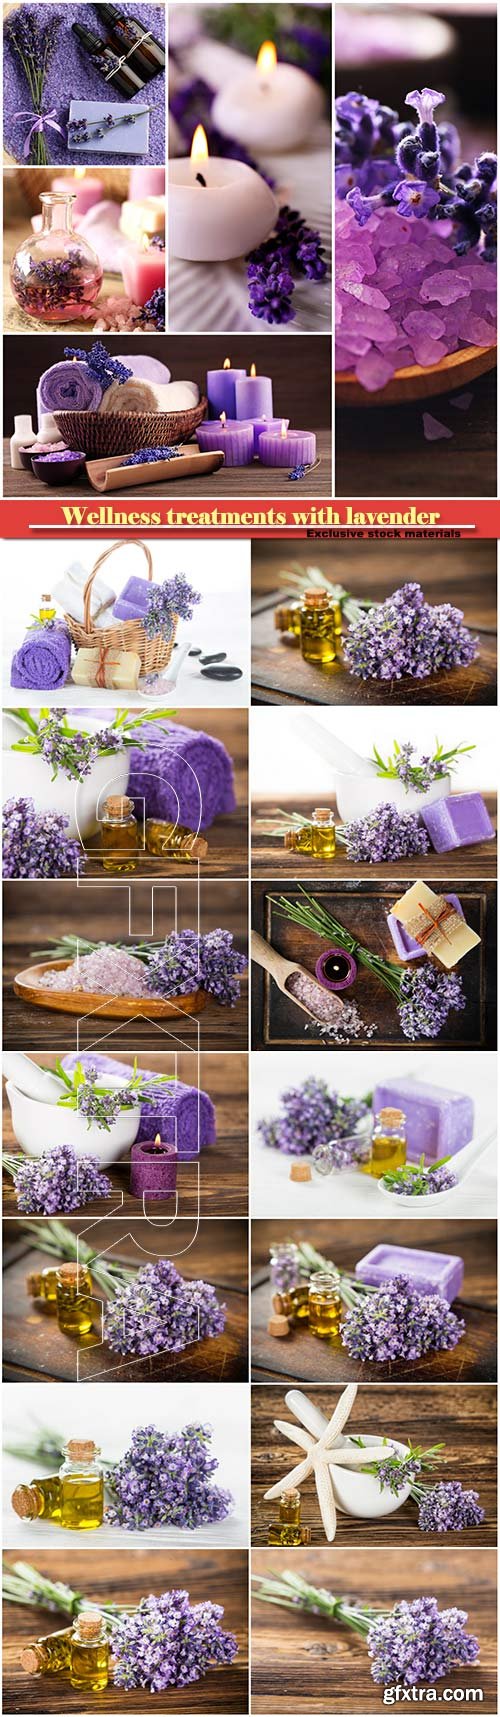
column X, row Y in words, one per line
column 322, row 1004
column 438, row 1122
column 460, row 820
column 405, row 945
column 429, row 1272
column 153, row 1170
column 62, row 456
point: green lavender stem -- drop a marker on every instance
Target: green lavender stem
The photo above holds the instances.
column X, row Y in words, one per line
column 291, row 1592
column 57, row 1241
column 22, row 1584
column 314, row 917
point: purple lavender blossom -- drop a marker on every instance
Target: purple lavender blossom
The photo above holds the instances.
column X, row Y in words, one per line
column 417, row 1181
column 294, row 249
column 414, row 197
column 168, row 1642
column 427, row 996
column 309, row 1116
column 59, row 1181
column 175, row 597
column 151, row 455
column 75, row 753
column 418, row 1642
column 396, row 1322
column 166, row 1480
column 449, row 1508
column 154, row 308
column 45, row 286
column 33, row 44
column 188, row 962
column 384, row 835
column 105, row 368
column 35, row 843
column 395, row 1473
column 406, row 635
column 161, row 1313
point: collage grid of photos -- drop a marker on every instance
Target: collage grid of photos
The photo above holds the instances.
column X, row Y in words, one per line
column 249, row 1042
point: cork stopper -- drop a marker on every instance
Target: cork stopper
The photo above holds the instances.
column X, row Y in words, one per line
column 289, row 839
column 199, row 847
column 89, row 1627
column 72, row 1275
column 278, row 1305
column 306, row 1534
column 322, row 813
column 24, row 1502
column 81, row 1450
column 46, row 596
column 278, row 1326
column 118, row 805
column 391, row 1117
column 31, row 1659
column 316, row 598
column 300, row 1171
column 291, row 1496
column 34, row 1284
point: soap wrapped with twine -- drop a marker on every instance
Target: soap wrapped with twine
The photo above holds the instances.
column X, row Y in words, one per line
column 105, row 666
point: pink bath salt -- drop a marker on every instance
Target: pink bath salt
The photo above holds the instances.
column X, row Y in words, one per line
column 434, row 430
column 108, row 971
column 428, row 352
column 322, row 1004
column 368, row 295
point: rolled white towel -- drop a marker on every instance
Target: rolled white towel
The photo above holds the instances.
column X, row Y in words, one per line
column 176, row 396
column 69, row 594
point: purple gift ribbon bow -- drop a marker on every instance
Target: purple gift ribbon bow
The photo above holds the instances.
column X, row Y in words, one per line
column 41, row 120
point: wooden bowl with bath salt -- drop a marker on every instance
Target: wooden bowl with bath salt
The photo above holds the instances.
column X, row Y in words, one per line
column 101, row 434
column 414, row 383
column 29, row 985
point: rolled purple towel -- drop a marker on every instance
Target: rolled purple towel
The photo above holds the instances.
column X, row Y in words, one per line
column 42, row 661
column 181, row 1114
column 182, row 775
column 132, row 603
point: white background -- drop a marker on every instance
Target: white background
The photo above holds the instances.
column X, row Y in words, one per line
column 284, row 761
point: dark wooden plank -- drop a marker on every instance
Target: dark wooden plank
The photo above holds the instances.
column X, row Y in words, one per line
column 112, row 1576
column 362, row 909
column 383, row 450
column 216, row 1253
column 304, row 1663
column 302, row 1358
column 464, row 1419
column 270, row 857
column 32, row 917
column 219, row 1176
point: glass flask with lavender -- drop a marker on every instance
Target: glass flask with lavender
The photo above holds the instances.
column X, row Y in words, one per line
column 286, row 1281
column 55, row 273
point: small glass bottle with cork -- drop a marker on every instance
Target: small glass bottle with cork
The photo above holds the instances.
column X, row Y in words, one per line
column 320, row 628
column 42, row 1285
column 175, row 841
column 119, row 835
column 287, row 619
column 325, row 1305
column 387, row 1144
column 74, row 1299
column 316, row 837
column 287, row 1530
column 38, row 1500
column 49, row 1655
column 290, row 1297
column 82, row 1486
column 89, row 1665
column 47, row 608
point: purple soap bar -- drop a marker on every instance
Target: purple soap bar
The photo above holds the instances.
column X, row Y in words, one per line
column 429, row 1272
column 133, row 602
column 153, row 1173
column 438, row 1122
column 461, row 820
column 404, row 944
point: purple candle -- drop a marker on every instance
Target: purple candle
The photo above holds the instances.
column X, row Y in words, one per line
column 288, row 447
column 221, row 395
column 153, row 1169
column 265, row 423
column 460, row 820
column 234, row 438
column 254, row 395
column 429, row 1272
column 405, row 945
column 336, row 969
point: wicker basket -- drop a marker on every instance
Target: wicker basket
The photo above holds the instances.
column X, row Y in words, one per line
column 102, row 434
column 155, row 653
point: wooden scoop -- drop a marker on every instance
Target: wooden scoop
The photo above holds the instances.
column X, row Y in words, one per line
column 281, row 970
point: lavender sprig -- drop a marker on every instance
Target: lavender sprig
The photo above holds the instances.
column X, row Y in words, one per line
column 175, row 597
column 56, row 1182
column 310, row 1115
column 88, row 130
column 384, row 836
column 101, row 1105
column 414, row 1642
column 405, row 635
column 36, row 844
column 51, row 735
column 165, row 1479
column 417, row 1181
column 294, row 250
column 105, row 368
column 34, row 46
column 159, row 1312
column 417, row 772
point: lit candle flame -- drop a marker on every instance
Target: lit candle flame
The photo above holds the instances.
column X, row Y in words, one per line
column 80, row 172
column 283, row 426
column 199, row 146
column 157, row 1142
column 223, row 419
column 266, row 60
column 253, row 371
column 227, row 364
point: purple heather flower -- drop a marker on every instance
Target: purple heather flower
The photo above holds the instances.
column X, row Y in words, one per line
column 174, row 598
column 166, row 1480
column 424, row 101
column 168, row 1642
column 407, row 636
column 35, row 843
column 355, row 107
column 384, row 835
column 414, row 197
column 161, row 1313
column 449, row 1508
column 396, row 1322
column 59, row 1181
column 418, row 1642
column 427, row 996
column 311, row 1115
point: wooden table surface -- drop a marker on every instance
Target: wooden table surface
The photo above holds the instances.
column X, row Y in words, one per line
column 216, row 1182
column 304, row 1663
column 263, row 482
column 112, row 1577
column 32, row 915
column 304, row 1359
column 270, row 857
column 362, row 908
column 36, row 1349
column 382, row 450
column 464, row 1419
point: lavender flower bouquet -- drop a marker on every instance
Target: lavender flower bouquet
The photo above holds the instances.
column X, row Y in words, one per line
column 56, row 1182
column 163, row 1479
column 311, row 1115
column 414, row 1642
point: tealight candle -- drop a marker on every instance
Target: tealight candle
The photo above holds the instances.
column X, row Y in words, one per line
column 218, row 209
column 143, row 271
column 254, row 395
column 85, row 187
column 221, row 389
column 290, row 447
column 262, row 424
column 270, row 106
column 234, row 438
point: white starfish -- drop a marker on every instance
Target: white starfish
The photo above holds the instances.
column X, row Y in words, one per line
column 323, row 1451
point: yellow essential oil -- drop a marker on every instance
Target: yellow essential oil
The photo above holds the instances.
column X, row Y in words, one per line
column 49, row 1655
column 323, row 833
column 42, row 1285
column 289, row 1291
column 74, row 1299
column 387, row 1144
column 325, row 1305
column 299, row 840
column 82, row 1487
column 89, row 1668
column 119, row 836
column 293, row 1303
column 174, row 840
column 287, row 1530
column 319, row 628
column 287, row 619
column 47, row 608
column 38, row 1500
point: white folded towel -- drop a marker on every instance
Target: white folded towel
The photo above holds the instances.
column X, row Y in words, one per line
column 69, row 593
column 176, row 396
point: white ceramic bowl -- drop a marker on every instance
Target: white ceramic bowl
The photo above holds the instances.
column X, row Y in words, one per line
column 30, row 777
column 40, row 1126
column 357, row 795
column 360, row 1494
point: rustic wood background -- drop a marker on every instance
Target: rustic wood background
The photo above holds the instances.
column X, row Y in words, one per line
column 301, row 1358
column 362, row 909
column 303, row 1663
column 383, row 448
column 33, row 915
column 35, row 1348
column 217, row 1179
column 463, row 573
column 270, row 857
column 464, row 1419
column 112, row 1577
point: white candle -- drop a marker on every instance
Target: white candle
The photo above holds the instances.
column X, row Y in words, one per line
column 270, row 106
column 217, row 209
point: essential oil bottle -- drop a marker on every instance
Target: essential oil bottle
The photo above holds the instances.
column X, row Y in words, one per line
column 143, row 52
column 316, row 837
column 119, row 836
column 287, row 619
column 290, row 1292
column 320, row 628
column 38, row 1500
column 42, row 1285
column 82, row 1487
column 388, row 1143
column 74, row 1299
column 175, row 841
column 116, row 72
column 325, row 1305
column 49, row 1655
column 287, row 1530
column 299, row 840
column 89, row 1667
column 47, row 608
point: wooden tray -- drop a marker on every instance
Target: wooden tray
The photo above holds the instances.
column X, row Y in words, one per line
column 414, row 382
column 109, row 1007
column 111, row 473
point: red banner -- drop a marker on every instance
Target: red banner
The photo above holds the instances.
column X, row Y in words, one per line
column 297, row 517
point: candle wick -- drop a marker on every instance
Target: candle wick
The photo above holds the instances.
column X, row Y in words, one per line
column 201, row 181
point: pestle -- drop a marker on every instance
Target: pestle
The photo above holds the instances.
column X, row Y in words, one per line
column 340, row 757
column 304, row 1409
column 34, row 1081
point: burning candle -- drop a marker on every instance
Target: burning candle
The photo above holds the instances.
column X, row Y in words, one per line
column 86, row 188
column 153, row 1169
column 289, row 447
column 234, row 438
column 270, row 106
column 143, row 271
column 221, row 386
column 263, row 424
column 254, row 395
column 218, row 209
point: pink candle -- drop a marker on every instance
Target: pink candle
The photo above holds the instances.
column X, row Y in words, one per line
column 86, row 188
column 233, row 437
column 288, row 447
column 143, row 272
column 146, row 182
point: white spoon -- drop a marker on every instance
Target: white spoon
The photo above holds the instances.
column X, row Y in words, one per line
column 461, row 1166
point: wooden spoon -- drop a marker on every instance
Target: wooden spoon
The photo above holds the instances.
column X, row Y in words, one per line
column 281, row 970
